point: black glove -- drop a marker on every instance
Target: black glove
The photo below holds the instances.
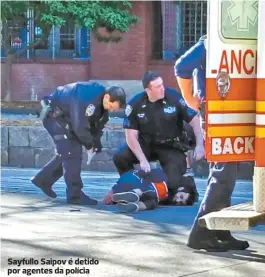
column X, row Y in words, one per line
column 97, row 145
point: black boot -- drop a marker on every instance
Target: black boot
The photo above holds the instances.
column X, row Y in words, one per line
column 231, row 242
column 209, row 244
column 46, row 189
column 82, row 200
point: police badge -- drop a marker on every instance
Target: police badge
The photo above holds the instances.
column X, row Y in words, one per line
column 128, row 110
column 90, row 110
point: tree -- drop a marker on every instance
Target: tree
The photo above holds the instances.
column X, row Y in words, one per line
column 113, row 15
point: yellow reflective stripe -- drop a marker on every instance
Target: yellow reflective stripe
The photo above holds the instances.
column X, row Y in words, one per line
column 260, row 106
column 231, row 131
column 231, row 105
column 260, row 132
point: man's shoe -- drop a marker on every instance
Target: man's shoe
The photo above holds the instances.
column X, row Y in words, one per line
column 127, row 197
column 235, row 244
column 210, row 245
column 83, row 202
column 46, row 189
column 86, row 200
column 127, row 207
column 231, row 242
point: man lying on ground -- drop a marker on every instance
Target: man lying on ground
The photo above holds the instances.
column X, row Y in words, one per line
column 137, row 190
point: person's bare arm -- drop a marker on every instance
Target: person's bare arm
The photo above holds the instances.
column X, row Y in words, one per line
column 199, row 151
column 184, row 68
column 185, row 86
column 133, row 143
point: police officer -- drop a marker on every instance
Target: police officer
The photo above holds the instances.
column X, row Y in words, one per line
column 222, row 176
column 154, row 131
column 74, row 116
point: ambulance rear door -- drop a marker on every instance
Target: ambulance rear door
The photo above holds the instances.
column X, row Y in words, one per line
column 231, row 80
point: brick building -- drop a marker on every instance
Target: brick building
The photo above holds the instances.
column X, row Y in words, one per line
column 165, row 30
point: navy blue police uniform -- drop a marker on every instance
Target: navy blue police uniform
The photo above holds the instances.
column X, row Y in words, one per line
column 222, row 176
column 160, row 125
column 76, row 119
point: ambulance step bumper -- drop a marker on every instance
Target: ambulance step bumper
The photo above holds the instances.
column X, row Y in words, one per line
column 237, row 217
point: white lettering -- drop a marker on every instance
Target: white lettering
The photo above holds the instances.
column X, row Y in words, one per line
column 249, row 145
column 239, row 149
column 230, row 146
column 216, row 146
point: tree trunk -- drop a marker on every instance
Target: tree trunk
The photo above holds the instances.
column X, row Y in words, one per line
column 9, row 62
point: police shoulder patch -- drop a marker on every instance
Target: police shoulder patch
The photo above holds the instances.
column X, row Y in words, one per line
column 182, row 102
column 90, row 110
column 128, row 110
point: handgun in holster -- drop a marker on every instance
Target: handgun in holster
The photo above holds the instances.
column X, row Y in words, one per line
column 184, row 142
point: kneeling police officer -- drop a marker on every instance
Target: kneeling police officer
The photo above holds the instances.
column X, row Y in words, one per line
column 154, row 131
column 74, row 116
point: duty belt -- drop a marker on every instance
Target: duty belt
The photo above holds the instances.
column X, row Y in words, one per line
column 176, row 143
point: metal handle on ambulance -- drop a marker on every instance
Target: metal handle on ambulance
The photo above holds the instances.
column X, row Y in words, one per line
column 223, row 84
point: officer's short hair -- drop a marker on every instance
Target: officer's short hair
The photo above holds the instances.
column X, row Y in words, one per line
column 117, row 94
column 148, row 77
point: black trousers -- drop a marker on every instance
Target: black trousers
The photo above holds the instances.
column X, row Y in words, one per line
column 172, row 161
column 67, row 162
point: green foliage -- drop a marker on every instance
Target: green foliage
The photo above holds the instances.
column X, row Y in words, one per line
column 114, row 15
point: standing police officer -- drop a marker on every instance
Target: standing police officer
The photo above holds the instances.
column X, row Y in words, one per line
column 154, row 131
column 74, row 116
column 222, row 178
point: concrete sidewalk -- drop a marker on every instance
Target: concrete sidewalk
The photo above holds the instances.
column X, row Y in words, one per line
column 150, row 243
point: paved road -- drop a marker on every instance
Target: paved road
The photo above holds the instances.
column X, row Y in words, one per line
column 150, row 243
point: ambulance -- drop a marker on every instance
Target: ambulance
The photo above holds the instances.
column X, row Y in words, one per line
column 235, row 101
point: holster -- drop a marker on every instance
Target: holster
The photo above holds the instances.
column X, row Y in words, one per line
column 183, row 143
column 46, row 109
column 57, row 112
column 63, row 121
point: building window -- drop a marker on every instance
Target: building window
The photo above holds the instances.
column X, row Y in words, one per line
column 67, row 36
column 68, row 42
column 157, row 34
column 177, row 26
column 44, row 44
column 13, row 37
column 191, row 25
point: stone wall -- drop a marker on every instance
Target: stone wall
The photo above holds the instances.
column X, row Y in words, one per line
column 31, row 146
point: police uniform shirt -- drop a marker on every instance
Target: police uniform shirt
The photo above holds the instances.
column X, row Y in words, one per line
column 159, row 120
column 193, row 64
column 83, row 104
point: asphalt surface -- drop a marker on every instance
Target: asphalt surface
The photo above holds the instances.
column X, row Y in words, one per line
column 150, row 243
